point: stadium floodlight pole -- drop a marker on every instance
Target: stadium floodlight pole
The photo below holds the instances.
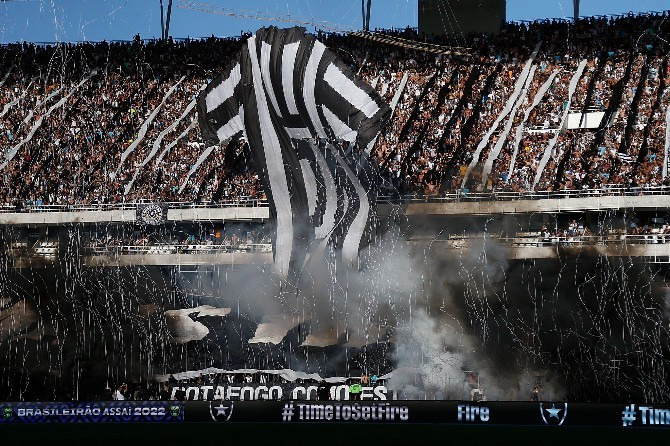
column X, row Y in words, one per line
column 162, row 21
column 366, row 14
column 575, row 3
column 167, row 20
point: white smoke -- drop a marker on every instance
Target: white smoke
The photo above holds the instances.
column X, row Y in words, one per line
column 431, row 359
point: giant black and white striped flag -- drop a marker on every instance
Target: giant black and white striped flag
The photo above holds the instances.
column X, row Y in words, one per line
column 308, row 120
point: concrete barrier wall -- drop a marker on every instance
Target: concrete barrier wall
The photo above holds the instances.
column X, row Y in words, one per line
column 229, row 258
column 446, row 249
column 128, row 216
column 549, row 205
column 596, row 203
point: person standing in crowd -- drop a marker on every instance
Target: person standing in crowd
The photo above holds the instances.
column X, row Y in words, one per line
column 535, row 396
column 119, row 394
column 355, row 390
column 180, row 394
column 323, row 391
column 365, row 379
column 165, row 393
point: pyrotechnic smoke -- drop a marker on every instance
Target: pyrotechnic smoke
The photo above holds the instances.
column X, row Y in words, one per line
column 588, row 328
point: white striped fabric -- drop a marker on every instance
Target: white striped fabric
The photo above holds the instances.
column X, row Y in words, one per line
column 145, row 127
column 265, row 72
column 328, row 223
column 230, row 128
column 502, row 138
column 183, row 135
column 275, row 170
column 349, row 91
column 4, row 79
column 201, row 159
column 224, row 90
column 352, row 238
column 287, row 63
column 310, row 185
column 298, row 133
column 340, row 129
column 309, row 85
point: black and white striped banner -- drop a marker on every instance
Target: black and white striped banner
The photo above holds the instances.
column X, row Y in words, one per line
column 308, row 119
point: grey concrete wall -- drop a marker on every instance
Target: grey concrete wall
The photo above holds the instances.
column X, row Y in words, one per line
column 128, row 216
column 438, row 249
column 548, row 205
column 553, row 205
column 448, row 249
column 179, row 259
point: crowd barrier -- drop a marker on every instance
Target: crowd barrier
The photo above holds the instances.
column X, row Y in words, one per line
column 191, row 248
column 460, row 196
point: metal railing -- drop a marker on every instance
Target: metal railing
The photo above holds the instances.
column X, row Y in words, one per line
column 453, row 241
column 462, row 240
column 581, row 240
column 459, row 196
column 191, row 248
column 131, row 206
column 502, row 195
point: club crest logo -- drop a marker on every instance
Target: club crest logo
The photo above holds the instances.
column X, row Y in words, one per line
column 151, row 214
column 175, row 411
column 554, row 416
column 221, row 410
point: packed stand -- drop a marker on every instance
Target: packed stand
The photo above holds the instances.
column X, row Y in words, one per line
column 116, row 122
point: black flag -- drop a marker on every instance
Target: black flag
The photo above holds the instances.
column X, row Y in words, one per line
column 308, row 120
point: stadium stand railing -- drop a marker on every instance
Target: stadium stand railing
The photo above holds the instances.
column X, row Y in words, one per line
column 448, row 197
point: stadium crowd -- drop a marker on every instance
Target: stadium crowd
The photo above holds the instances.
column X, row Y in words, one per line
column 113, row 122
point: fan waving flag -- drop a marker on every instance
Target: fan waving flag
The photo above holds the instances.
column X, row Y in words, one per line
column 308, row 120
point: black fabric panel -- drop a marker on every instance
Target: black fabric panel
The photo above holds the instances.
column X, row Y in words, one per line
column 301, row 60
column 277, row 39
column 305, row 152
column 292, row 169
column 212, row 121
column 293, row 151
column 367, row 128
